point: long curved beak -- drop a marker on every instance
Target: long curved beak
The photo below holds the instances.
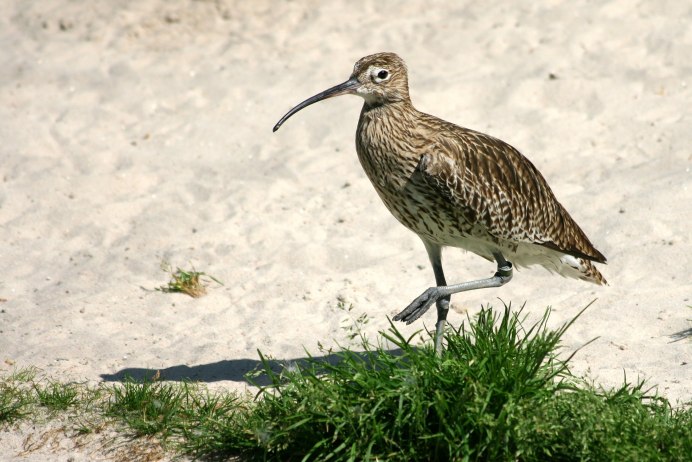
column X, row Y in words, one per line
column 348, row 86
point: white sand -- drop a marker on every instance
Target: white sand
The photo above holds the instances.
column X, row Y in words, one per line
column 137, row 131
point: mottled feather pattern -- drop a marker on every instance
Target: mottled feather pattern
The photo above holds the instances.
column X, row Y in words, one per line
column 500, row 188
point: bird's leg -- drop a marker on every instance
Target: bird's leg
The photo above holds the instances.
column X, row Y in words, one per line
column 435, row 255
column 420, row 305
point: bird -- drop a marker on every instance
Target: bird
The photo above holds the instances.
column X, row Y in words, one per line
column 456, row 187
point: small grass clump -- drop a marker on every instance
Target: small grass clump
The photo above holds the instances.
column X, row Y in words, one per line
column 57, row 396
column 193, row 283
column 148, row 407
column 16, row 399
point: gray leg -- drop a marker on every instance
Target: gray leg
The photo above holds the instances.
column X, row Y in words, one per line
column 420, row 305
column 435, row 255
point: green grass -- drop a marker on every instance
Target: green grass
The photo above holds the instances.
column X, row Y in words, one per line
column 15, row 399
column 500, row 392
column 193, row 283
column 147, row 408
column 56, row 396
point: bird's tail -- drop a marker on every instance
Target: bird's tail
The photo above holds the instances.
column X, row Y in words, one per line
column 588, row 272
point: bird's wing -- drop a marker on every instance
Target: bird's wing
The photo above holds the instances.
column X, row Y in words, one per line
column 494, row 186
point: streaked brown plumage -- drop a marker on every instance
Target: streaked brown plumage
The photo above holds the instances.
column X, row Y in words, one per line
column 457, row 187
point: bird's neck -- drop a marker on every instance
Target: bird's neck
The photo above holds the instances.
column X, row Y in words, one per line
column 383, row 144
column 400, row 112
column 398, row 105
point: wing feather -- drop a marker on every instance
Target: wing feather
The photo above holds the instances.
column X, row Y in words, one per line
column 494, row 186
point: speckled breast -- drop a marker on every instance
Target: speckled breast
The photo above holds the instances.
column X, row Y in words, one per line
column 393, row 171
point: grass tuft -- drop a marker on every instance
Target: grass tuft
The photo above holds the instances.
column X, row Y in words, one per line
column 193, row 283
column 149, row 407
column 16, row 399
column 57, row 396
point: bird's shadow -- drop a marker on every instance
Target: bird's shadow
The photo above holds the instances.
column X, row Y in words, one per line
column 237, row 370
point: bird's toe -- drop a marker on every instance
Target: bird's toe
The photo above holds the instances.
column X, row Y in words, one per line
column 418, row 307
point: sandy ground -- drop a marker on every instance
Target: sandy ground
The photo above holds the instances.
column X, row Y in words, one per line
column 134, row 132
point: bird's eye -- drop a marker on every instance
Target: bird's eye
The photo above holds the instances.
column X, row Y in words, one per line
column 380, row 75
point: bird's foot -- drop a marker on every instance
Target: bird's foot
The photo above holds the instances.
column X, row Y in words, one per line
column 420, row 305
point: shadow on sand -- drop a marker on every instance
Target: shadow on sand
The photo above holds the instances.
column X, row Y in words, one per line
column 231, row 369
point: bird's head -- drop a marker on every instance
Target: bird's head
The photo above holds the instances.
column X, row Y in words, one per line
column 380, row 79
